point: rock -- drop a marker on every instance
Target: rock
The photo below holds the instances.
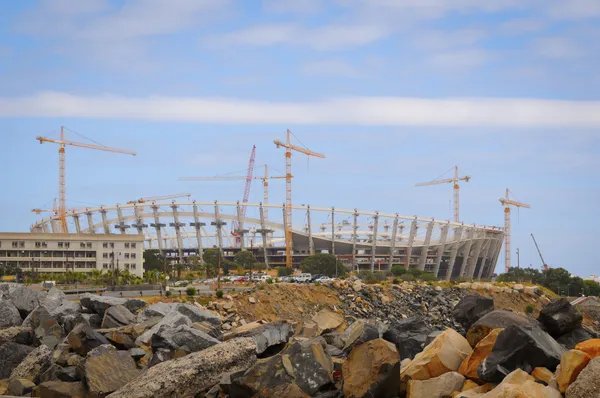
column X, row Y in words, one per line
column 494, row 320
column 134, row 305
column 137, row 353
column 265, row 375
column 590, row 347
column 26, row 300
column 520, row 384
column 532, row 291
column 74, row 360
column 99, row 304
column 570, row 339
column 34, row 364
column 371, row 370
column 54, row 299
column 431, row 336
column 251, row 300
column 408, row 335
column 61, row 354
column 183, row 338
column 193, row 373
column 196, row 314
column 308, row 364
column 283, row 390
column 58, row 373
column 60, row 389
column 107, row 370
column 469, row 366
column 20, row 387
column 67, row 308
column 226, row 326
column 120, row 340
column 560, row 317
column 520, row 347
column 11, row 355
column 357, row 286
column 471, row 308
column 173, row 319
column 572, row 363
column 264, row 336
column 359, row 332
column 9, row 314
column 159, row 309
column 46, row 329
column 327, row 320
column 17, row 334
column 3, row 383
column 117, row 316
column 207, row 328
column 444, row 354
column 518, row 287
column 94, row 320
column 83, row 339
column 542, row 374
column 587, row 383
column 437, row 387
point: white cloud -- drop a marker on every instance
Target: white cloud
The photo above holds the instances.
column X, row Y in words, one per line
column 293, row 7
column 376, row 111
column 330, row 67
column 520, row 26
column 557, row 47
column 461, row 59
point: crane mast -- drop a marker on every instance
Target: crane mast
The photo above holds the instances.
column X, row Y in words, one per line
column 456, row 189
column 507, row 202
column 544, row 265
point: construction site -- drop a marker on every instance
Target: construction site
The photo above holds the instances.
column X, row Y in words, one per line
column 180, row 226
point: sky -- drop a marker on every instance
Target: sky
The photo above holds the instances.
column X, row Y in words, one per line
column 393, row 92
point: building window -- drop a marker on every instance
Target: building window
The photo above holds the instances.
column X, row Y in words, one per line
column 15, row 244
column 132, row 255
column 104, row 255
column 60, row 244
column 126, row 245
column 82, row 245
column 21, row 244
column 126, row 255
column 44, row 244
column 112, row 245
column 105, row 245
column 133, row 245
column 88, row 245
column 133, row 266
column 38, row 244
column 67, row 245
column 105, row 265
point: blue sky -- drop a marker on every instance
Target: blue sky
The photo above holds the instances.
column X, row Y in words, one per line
column 394, row 92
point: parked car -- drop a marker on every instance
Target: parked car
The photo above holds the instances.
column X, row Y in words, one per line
column 285, row 279
column 323, row 278
column 315, row 277
column 303, row 278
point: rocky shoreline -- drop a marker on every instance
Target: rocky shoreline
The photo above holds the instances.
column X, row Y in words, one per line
column 405, row 340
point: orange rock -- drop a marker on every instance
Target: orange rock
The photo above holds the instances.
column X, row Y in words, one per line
column 371, row 369
column 469, row 384
column 517, row 384
column 572, row 363
column 542, row 374
column 468, row 368
column 590, row 347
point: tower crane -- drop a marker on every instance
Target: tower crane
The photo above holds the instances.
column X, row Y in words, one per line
column 507, row 202
column 454, row 180
column 62, row 201
column 153, row 198
column 544, row 265
column 288, row 191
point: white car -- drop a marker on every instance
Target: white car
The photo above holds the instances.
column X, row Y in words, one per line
column 303, row 278
column 324, row 279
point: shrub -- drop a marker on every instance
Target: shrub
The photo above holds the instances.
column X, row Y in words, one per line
column 191, row 291
column 169, row 293
column 284, row 271
column 219, row 293
column 261, row 287
column 427, row 277
column 395, row 281
column 270, row 281
column 407, row 277
column 529, row 309
column 415, row 272
column 325, row 264
column 398, row 270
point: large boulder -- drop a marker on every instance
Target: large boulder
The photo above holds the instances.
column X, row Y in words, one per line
column 17, row 334
column 518, row 384
column 196, row 314
column 371, row 370
column 119, row 339
column 99, row 304
column 34, row 365
column 445, row 354
column 327, row 320
column 495, row 320
column 59, row 373
column 60, row 389
column 358, row 333
column 54, row 299
column 183, row 338
column 9, row 314
column 46, row 329
column 83, row 339
column 67, row 308
column 307, row 362
column 520, row 347
column 560, row 317
column 570, row 339
column 20, row 387
column 437, row 387
column 26, row 299
column 117, row 316
column 196, row 372
column 266, row 375
column 134, row 305
column 471, row 308
column 264, row 335
column 11, row 355
column 173, row 319
column 590, row 347
column 587, row 383
column 159, row 309
column 572, row 363
column 469, row 366
column 106, row 370
column 408, row 335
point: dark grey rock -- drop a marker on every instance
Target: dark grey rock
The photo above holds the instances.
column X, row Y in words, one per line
column 106, row 370
column 34, row 364
column 83, row 339
column 173, row 319
column 61, row 389
column 570, row 339
column 181, row 338
column 196, row 314
column 267, row 335
column 309, row 364
column 431, row 336
column 11, row 355
column 117, row 316
column 9, row 314
column 99, row 304
column 17, row 334
column 470, row 308
column 409, row 336
column 20, row 387
column 134, row 305
column 335, row 339
column 137, row 353
column 46, row 329
column 520, row 347
column 67, row 308
column 357, row 333
column 59, row 373
column 159, row 309
column 560, row 317
column 26, row 299
column 54, row 299
column 494, row 320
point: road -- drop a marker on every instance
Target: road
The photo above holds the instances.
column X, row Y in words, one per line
column 200, row 289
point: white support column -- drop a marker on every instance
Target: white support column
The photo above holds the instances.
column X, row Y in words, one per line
column 241, row 231
column 466, row 251
column 218, row 224
column 104, row 221
column 440, row 249
column 77, row 224
column 90, row 221
column 264, row 233
column 311, row 243
column 474, row 258
column 198, row 226
column 494, row 259
column 374, row 240
column 177, row 225
column 139, row 220
column 425, row 247
column 354, row 231
column 454, row 251
column 411, row 239
column 157, row 225
column 333, row 231
column 121, row 224
column 393, row 241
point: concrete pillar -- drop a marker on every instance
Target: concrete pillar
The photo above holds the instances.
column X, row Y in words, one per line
column 454, row 252
column 241, row 231
column 77, row 224
column 218, row 224
column 333, row 231
column 198, row 227
column 474, row 257
column 425, row 247
column 138, row 210
column 90, row 221
column 393, row 241
column 157, row 225
column 354, row 231
column 311, row 243
column 411, row 239
column 495, row 256
column 374, row 242
column 104, row 221
column 177, row 225
column 466, row 251
column 264, row 233
column 440, row 249
column 487, row 251
column 121, row 225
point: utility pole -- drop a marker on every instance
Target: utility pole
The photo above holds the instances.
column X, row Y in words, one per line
column 518, row 259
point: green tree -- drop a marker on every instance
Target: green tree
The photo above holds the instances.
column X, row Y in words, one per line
column 557, row 278
column 398, row 270
column 179, row 269
column 576, row 286
column 284, row 271
column 245, row 258
column 591, row 288
column 153, row 260
column 321, row 263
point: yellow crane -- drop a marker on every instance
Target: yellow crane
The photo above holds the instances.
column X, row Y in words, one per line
column 507, row 202
column 454, row 180
column 288, row 191
column 62, row 200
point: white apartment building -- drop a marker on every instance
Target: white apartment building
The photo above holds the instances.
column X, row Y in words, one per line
column 53, row 252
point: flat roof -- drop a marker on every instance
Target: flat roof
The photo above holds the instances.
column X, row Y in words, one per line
column 71, row 237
